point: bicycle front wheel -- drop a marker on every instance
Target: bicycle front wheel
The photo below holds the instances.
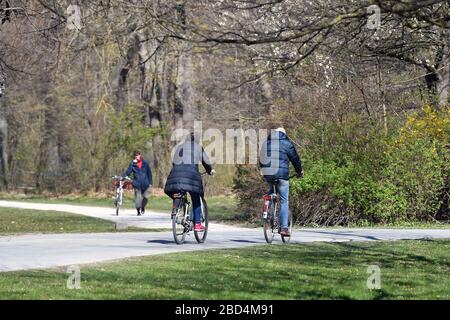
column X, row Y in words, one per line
column 118, row 201
column 201, row 236
column 178, row 225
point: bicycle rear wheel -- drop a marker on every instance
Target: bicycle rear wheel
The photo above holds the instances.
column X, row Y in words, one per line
column 178, row 225
column 268, row 224
column 290, row 224
column 201, row 236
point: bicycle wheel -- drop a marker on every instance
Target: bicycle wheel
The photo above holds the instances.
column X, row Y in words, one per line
column 118, row 201
column 178, row 225
column 201, row 236
column 268, row 225
column 290, row 224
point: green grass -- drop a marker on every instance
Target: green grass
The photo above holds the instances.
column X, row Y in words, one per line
column 406, row 225
column 223, row 208
column 397, row 225
column 19, row 221
column 409, row 270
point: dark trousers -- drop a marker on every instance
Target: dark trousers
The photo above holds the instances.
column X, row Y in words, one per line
column 141, row 197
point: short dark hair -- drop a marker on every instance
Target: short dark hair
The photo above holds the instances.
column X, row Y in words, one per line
column 136, row 152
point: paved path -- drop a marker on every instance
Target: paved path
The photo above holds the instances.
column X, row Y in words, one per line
column 38, row 251
column 150, row 220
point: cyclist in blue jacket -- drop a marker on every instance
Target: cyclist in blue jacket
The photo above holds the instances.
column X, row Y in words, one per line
column 275, row 155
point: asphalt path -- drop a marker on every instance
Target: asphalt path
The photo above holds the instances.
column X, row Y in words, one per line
column 42, row 251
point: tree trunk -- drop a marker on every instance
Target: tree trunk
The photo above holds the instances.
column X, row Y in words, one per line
column 150, row 66
column 3, row 137
column 437, row 85
column 3, row 150
column 267, row 93
column 49, row 161
column 175, row 104
column 122, row 89
column 185, row 91
column 443, row 76
column 437, row 80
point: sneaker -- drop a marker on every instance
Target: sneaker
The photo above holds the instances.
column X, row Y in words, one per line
column 199, row 228
column 138, row 211
column 285, row 232
column 142, row 211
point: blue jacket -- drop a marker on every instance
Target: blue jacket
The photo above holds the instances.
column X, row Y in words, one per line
column 185, row 176
column 142, row 177
column 276, row 153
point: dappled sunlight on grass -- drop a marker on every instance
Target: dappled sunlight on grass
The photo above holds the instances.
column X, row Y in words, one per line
column 409, row 270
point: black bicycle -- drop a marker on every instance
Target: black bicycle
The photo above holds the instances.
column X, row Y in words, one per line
column 271, row 215
column 183, row 219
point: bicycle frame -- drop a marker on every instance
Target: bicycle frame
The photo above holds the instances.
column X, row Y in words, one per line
column 183, row 222
column 271, row 217
column 274, row 195
column 119, row 194
column 274, row 188
column 187, row 219
column 187, row 214
column 274, row 199
column 119, row 191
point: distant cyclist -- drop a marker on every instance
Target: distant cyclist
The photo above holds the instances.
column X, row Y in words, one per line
column 185, row 176
column 142, row 181
column 275, row 155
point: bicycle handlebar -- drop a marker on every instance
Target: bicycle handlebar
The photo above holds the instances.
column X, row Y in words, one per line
column 203, row 173
column 121, row 178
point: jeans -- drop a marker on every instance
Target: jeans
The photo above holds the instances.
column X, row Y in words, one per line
column 141, row 197
column 196, row 207
column 283, row 190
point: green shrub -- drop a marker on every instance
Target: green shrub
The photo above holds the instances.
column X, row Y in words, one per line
column 355, row 173
column 250, row 187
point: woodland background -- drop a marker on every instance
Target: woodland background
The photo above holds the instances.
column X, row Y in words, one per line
column 365, row 99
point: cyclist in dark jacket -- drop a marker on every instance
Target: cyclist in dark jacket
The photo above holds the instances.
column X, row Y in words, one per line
column 275, row 156
column 142, row 181
column 185, row 176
